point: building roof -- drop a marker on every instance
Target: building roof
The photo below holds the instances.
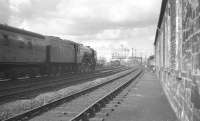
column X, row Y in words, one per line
column 162, row 11
column 20, row 31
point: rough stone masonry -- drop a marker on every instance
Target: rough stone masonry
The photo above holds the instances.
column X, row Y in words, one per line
column 177, row 54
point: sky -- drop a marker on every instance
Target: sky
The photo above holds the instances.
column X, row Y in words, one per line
column 105, row 25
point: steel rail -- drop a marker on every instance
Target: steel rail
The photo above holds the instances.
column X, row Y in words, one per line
column 27, row 81
column 49, row 80
column 86, row 113
column 37, row 78
column 38, row 110
column 59, row 82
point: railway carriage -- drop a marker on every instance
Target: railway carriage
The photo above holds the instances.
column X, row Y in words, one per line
column 27, row 53
column 20, row 51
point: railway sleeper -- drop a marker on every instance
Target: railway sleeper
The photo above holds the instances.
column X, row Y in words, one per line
column 97, row 107
column 110, row 103
column 99, row 110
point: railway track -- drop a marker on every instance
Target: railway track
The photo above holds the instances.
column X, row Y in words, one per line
column 4, row 81
column 12, row 93
column 30, row 81
column 80, row 105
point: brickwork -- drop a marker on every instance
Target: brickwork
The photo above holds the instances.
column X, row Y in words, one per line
column 177, row 45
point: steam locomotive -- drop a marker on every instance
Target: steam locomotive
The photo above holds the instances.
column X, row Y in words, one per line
column 26, row 53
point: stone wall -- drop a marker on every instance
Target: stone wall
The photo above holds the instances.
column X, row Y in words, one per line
column 177, row 52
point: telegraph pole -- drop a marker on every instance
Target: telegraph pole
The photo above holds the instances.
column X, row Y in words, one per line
column 132, row 52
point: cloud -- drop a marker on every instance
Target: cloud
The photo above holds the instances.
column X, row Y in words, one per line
column 94, row 16
column 31, row 9
column 4, row 11
column 85, row 16
column 128, row 22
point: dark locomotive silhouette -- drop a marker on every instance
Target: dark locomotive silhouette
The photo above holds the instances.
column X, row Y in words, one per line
column 26, row 53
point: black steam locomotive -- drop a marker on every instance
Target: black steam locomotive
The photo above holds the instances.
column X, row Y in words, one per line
column 26, row 53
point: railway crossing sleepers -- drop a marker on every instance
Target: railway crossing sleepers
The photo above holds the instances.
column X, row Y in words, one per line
column 16, row 92
column 80, row 99
column 93, row 109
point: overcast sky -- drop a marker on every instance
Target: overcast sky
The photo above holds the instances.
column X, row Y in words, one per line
column 103, row 24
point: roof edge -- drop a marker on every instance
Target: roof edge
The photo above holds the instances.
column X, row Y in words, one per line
column 162, row 11
column 20, row 31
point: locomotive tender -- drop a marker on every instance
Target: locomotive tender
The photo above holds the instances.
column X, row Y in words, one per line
column 23, row 52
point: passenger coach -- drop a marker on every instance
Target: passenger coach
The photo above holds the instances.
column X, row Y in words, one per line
column 26, row 53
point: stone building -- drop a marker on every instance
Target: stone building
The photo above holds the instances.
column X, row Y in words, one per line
column 177, row 56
